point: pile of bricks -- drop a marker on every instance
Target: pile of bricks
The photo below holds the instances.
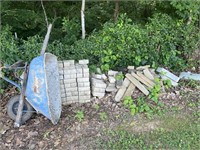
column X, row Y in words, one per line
column 142, row 77
column 102, row 83
column 74, row 81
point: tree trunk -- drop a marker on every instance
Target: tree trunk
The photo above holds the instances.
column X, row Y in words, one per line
column 83, row 19
column 116, row 11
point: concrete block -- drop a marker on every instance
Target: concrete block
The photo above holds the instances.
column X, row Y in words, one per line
column 68, row 94
column 69, row 80
column 81, row 98
column 82, row 80
column 99, row 90
column 67, row 85
column 111, row 79
column 190, row 76
column 165, row 72
column 98, row 71
column 99, row 85
column 145, row 79
column 111, row 89
column 126, row 82
column 79, row 71
column 137, row 84
column 83, row 62
column 148, row 74
column 104, row 77
column 84, row 93
column 70, row 71
column 120, row 94
column 68, row 62
column 86, row 69
column 129, row 90
column 63, row 95
column 86, row 84
column 112, row 73
column 97, row 76
column 71, row 89
column 79, row 75
column 75, row 93
column 73, row 98
column 81, row 84
column 86, row 74
column 73, row 84
column 143, row 67
column 99, row 95
column 62, row 86
column 141, row 80
column 83, row 89
column 60, row 64
column 130, row 67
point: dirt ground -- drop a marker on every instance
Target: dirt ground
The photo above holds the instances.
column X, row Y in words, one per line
column 69, row 133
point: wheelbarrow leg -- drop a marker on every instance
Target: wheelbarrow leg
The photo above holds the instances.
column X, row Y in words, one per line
column 21, row 100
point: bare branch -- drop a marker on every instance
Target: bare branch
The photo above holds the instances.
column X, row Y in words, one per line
column 45, row 15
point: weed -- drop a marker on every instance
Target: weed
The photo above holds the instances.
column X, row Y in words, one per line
column 103, row 116
column 79, row 115
column 96, row 106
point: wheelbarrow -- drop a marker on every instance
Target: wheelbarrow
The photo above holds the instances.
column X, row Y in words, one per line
column 39, row 88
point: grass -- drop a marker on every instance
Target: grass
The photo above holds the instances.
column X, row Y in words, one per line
column 178, row 131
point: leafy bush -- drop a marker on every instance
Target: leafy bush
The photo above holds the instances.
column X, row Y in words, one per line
column 162, row 41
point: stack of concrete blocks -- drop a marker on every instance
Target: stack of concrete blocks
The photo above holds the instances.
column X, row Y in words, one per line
column 74, row 81
column 98, row 85
column 111, row 81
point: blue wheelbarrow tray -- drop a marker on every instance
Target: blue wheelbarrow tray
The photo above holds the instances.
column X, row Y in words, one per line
column 43, row 86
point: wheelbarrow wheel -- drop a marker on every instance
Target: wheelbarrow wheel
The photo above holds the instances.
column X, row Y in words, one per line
column 12, row 107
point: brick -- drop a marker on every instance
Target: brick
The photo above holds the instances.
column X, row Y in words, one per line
column 84, row 89
column 60, row 64
column 104, row 77
column 86, row 75
column 85, row 70
column 142, row 67
column 83, row 62
column 111, row 79
column 73, row 98
column 126, row 82
column 82, row 80
column 68, row 94
column 86, row 84
column 79, row 71
column 79, row 75
column 137, row 84
column 97, row 76
column 100, row 95
column 70, row 81
column 99, row 85
column 131, row 67
column 71, row 89
column 112, row 73
column 100, row 90
column 68, row 62
column 83, row 93
column 75, row 93
column 129, row 90
column 141, row 80
column 73, row 84
column 170, row 75
column 81, row 84
column 145, row 79
column 111, row 89
column 67, row 85
column 148, row 74
column 70, row 71
column 120, row 94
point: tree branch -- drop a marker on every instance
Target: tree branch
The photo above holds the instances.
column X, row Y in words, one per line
column 45, row 15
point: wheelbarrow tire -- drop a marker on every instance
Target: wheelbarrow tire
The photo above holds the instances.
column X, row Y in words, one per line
column 12, row 107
